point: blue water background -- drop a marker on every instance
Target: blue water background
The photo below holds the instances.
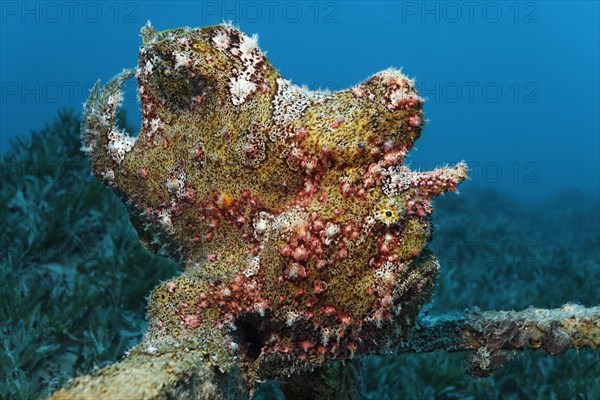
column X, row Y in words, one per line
column 512, row 88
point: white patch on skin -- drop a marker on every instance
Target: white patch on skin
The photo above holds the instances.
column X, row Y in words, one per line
column 398, row 96
column 260, row 308
column 359, row 90
column 148, row 67
column 182, row 60
column 262, row 223
column 108, row 176
column 221, row 41
column 150, row 349
column 331, row 230
column 164, row 218
column 119, row 144
column 253, row 267
column 154, row 125
column 114, row 99
column 291, row 317
column 261, row 226
column 249, row 44
column 240, row 88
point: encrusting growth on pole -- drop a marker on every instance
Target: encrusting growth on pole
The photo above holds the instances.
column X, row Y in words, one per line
column 492, row 337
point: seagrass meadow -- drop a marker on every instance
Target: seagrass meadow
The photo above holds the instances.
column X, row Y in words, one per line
column 74, row 279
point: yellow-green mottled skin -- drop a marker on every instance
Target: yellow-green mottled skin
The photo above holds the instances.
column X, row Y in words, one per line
column 303, row 236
